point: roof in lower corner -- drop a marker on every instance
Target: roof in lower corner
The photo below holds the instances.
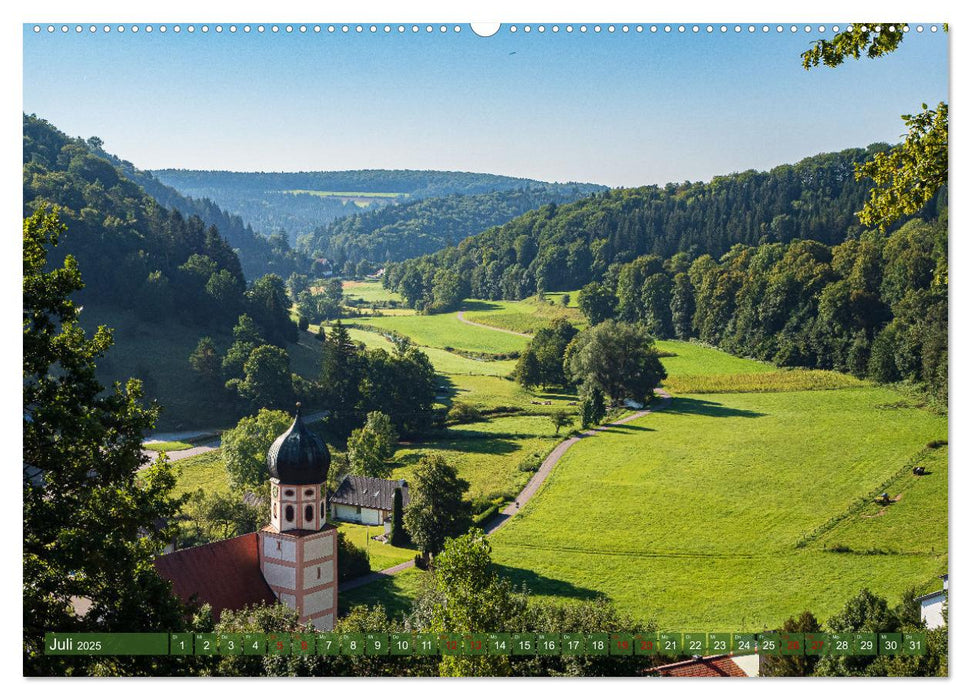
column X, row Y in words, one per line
column 710, row 666
column 226, row 574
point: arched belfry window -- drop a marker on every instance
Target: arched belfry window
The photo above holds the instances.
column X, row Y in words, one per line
column 288, row 514
column 308, row 513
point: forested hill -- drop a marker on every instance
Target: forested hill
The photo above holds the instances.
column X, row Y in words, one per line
column 133, row 253
column 565, row 247
column 258, row 254
column 300, row 202
column 407, row 230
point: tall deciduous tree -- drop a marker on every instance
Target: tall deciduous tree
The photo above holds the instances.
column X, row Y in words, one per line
column 92, row 504
column 437, row 509
column 371, row 447
column 244, row 447
column 618, row 358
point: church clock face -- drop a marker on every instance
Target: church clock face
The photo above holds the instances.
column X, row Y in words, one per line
column 276, row 491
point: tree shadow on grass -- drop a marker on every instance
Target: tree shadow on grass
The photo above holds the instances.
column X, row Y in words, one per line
column 701, row 407
column 387, row 591
column 482, row 443
column 478, row 305
column 543, row 585
column 625, row 428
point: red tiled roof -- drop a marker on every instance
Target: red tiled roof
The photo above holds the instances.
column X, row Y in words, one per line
column 225, row 574
column 711, row 666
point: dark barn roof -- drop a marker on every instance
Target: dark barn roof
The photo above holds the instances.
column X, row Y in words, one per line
column 226, row 574
column 369, row 492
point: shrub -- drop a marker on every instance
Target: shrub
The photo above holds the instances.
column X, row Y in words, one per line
column 464, row 413
column 352, row 561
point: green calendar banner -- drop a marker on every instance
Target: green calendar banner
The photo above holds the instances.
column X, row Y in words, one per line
column 645, row 644
column 770, row 644
column 303, row 644
column 377, row 644
column 402, row 644
column 695, row 643
column 328, row 644
column 914, row 644
column 598, row 644
column 670, row 643
column 352, row 644
column 573, row 644
column 719, row 643
column 548, row 644
column 230, row 644
column 498, row 644
column 105, row 644
column 205, row 644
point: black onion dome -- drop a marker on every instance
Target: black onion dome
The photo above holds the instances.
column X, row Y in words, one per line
column 298, row 456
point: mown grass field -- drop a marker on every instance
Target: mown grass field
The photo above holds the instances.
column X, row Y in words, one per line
column 526, row 316
column 370, row 292
column 381, row 555
column 691, row 516
column 444, row 362
column 204, row 471
column 395, row 593
column 692, row 359
column 447, row 331
column 171, row 446
column 487, row 454
column 782, row 380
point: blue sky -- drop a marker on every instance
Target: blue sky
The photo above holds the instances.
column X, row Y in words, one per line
column 617, row 109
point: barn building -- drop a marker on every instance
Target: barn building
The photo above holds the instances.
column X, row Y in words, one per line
column 292, row 560
column 366, row 500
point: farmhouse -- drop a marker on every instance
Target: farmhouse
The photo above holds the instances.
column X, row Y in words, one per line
column 366, row 500
column 293, row 559
column 933, row 605
column 746, row 666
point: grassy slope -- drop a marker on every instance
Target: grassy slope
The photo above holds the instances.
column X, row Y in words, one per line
column 158, row 354
column 204, row 471
column 526, row 316
column 691, row 516
column 381, row 555
column 446, row 330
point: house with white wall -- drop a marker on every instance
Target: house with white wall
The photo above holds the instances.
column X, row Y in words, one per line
column 366, row 499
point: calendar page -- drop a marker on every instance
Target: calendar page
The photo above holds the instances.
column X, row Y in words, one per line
column 535, row 349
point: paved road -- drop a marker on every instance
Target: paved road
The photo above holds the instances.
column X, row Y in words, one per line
column 463, row 319
column 212, row 443
column 551, row 460
column 526, row 494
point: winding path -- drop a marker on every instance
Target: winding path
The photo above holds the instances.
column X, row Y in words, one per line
column 463, row 319
column 530, row 490
column 213, row 440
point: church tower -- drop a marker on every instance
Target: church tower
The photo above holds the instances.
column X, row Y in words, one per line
column 298, row 549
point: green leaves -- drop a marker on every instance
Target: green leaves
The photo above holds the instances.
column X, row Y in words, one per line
column 873, row 39
column 909, row 175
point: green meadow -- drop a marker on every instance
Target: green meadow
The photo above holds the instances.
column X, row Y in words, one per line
column 749, row 499
column 526, row 316
column 447, row 331
column 381, row 555
column 694, row 516
column 370, row 292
